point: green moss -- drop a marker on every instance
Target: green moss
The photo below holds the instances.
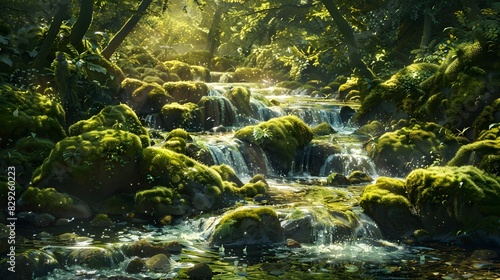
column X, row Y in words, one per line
column 176, row 140
column 419, row 145
column 230, row 221
column 92, row 165
column 26, row 113
column 185, row 116
column 240, row 98
column 289, row 84
column 248, row 74
column 148, row 200
column 323, row 129
column 279, row 137
column 174, row 170
column 358, row 177
column 119, row 117
column 386, row 191
column 181, row 69
column 46, row 200
column 184, row 92
column 464, row 193
column 201, row 73
column 482, row 154
column 101, row 220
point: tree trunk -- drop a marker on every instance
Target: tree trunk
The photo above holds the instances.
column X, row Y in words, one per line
column 426, row 32
column 82, row 24
column 214, row 32
column 355, row 62
column 125, row 30
column 61, row 14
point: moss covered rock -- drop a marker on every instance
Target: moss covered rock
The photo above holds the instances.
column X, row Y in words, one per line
column 60, row 205
column 93, row 165
column 312, row 224
column 25, row 113
column 240, row 98
column 452, row 199
column 27, row 154
column 386, row 202
column 183, row 92
column 144, row 97
column 279, row 138
column 245, row 74
column 199, row 185
column 186, row 116
column 176, row 140
column 415, row 146
column 181, row 69
column 393, row 99
column 217, row 111
column 483, row 154
column 118, row 117
column 248, row 226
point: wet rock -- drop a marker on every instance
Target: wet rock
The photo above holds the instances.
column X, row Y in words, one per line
column 248, row 225
column 346, row 114
column 449, row 199
column 483, row 254
column 320, row 224
column 145, row 248
column 358, row 177
column 53, row 202
column 291, row 243
column 386, row 202
column 159, row 262
column 30, row 264
column 136, row 265
column 94, row 165
column 323, row 129
column 314, row 155
column 279, row 138
column 102, row 220
column 337, row 179
column 91, row 257
column 417, row 146
column 200, row 271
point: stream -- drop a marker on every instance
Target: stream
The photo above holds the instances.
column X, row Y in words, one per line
column 364, row 255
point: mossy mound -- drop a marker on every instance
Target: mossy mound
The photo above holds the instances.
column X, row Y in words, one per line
column 323, row 129
column 416, row 146
column 176, row 140
column 198, row 184
column 184, row 92
column 386, row 202
column 240, row 98
column 118, row 117
column 223, row 64
column 450, row 199
column 25, row 113
column 489, row 117
column 483, row 154
column 93, row 165
column 144, row 97
column 27, row 154
column 248, row 226
column 393, row 99
column 49, row 200
column 186, row 116
column 234, row 190
column 246, row 74
column 160, row 201
column 279, row 138
column 181, row 69
column 312, row 224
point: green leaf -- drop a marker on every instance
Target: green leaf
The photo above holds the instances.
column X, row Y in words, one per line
column 96, row 68
column 4, row 40
column 5, row 59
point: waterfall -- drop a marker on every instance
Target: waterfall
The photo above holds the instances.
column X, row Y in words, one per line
column 316, row 116
column 246, row 160
column 347, row 163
